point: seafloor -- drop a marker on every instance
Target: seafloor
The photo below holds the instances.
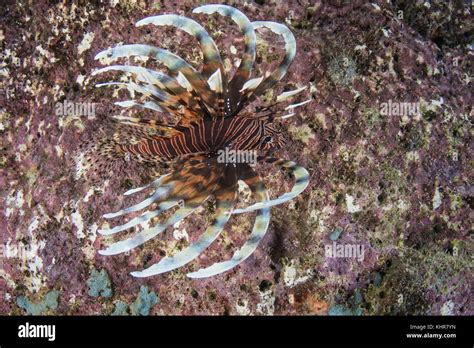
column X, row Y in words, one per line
column 399, row 185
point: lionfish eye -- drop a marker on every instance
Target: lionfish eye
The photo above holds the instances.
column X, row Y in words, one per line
column 267, row 139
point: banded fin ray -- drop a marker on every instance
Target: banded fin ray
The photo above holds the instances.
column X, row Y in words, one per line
column 146, row 235
column 149, row 76
column 245, row 67
column 155, row 183
column 301, row 182
column 147, row 216
column 290, row 48
column 160, row 193
column 225, row 200
column 260, row 227
column 174, row 63
column 146, row 105
column 212, row 57
column 145, row 89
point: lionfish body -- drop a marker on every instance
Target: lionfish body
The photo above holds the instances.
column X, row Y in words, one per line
column 210, row 108
column 206, row 136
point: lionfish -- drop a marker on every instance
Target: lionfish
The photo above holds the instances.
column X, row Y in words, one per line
column 209, row 105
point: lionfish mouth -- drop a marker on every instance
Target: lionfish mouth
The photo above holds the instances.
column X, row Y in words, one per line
column 209, row 105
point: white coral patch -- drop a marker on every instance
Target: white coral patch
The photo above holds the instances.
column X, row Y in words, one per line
column 77, row 221
column 80, row 79
column 244, row 192
column 48, row 55
column 267, row 302
column 293, row 276
column 447, row 308
column 59, row 150
column 437, row 198
column 30, row 254
column 178, row 233
column 8, row 279
column 14, row 201
column 242, row 307
column 88, row 248
column 86, row 43
column 352, row 207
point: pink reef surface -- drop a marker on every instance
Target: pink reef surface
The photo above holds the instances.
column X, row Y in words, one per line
column 397, row 185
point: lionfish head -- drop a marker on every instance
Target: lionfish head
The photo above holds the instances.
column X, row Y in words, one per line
column 271, row 139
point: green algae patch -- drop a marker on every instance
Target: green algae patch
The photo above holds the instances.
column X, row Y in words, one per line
column 144, row 302
column 121, row 308
column 99, row 284
column 50, row 302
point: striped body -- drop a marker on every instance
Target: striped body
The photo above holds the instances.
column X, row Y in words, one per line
column 204, row 137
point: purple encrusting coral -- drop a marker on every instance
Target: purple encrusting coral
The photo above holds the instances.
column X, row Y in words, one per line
column 394, row 184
